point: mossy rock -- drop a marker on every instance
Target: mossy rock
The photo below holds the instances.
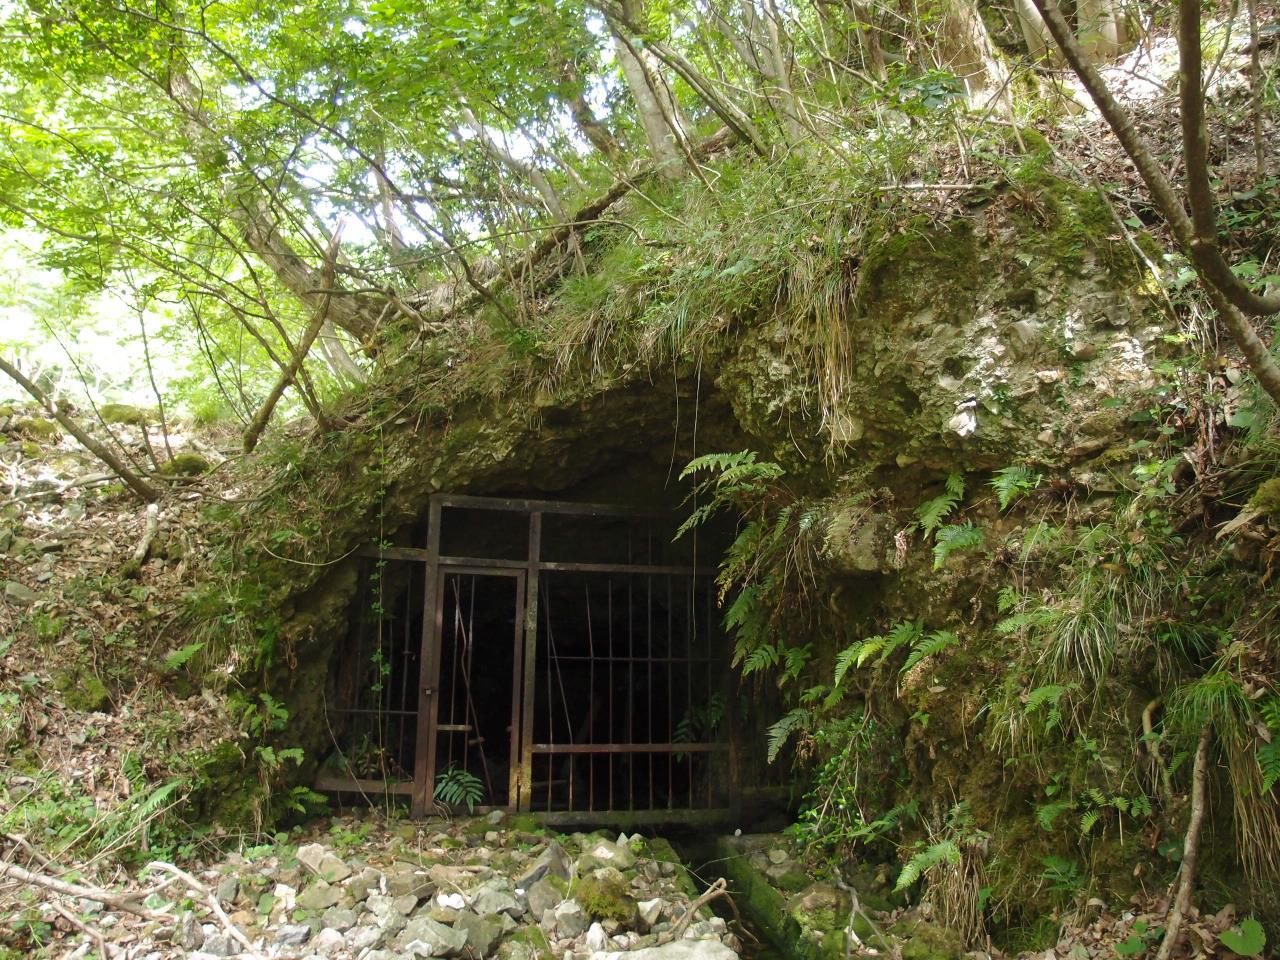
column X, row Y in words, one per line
column 605, row 899
column 83, row 691
column 125, row 414
column 525, row 823
column 1266, row 499
column 38, row 428
column 923, row 940
column 184, row 465
column 529, row 943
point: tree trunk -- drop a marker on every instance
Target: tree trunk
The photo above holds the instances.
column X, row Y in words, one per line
column 505, row 158
column 251, row 214
column 658, row 130
column 1034, row 33
column 1100, row 27
column 964, row 47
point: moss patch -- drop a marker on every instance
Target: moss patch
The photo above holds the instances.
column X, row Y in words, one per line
column 605, row 899
column 82, row 690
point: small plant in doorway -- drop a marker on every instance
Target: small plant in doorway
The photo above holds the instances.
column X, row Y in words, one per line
column 458, row 787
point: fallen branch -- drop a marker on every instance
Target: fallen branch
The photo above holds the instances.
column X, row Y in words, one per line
column 117, row 901
column 855, row 910
column 717, row 889
column 132, row 480
column 88, row 480
column 18, row 840
column 144, row 545
column 212, row 899
column 105, row 950
column 1190, row 847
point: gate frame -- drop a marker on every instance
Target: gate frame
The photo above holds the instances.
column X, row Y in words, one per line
column 527, row 571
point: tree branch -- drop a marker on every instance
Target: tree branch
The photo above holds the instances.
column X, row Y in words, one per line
column 1207, row 259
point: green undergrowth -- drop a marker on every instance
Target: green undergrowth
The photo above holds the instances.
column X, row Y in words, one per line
column 1015, row 721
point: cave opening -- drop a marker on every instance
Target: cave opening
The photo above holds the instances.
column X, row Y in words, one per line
column 556, row 657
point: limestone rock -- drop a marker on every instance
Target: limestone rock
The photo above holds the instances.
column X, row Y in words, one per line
column 322, row 863
column 220, row 945
column 363, row 938
column 328, row 941
column 228, row 889
column 676, row 950
column 570, row 920
column 649, row 912
column 597, row 939
column 553, row 860
column 605, row 853
column 408, row 880
column 543, row 896
column 495, row 896
column 424, row 937
column 319, row 896
column 365, row 882
column 482, row 933
column 338, row 918
column 19, row 594
column 293, row 934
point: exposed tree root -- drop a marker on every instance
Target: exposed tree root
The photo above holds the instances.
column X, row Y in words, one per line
column 1190, row 848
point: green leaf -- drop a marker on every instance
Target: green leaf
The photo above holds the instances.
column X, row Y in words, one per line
column 1247, row 939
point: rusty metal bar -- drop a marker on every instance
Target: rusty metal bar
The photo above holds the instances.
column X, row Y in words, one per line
column 517, row 697
column 603, row 748
column 530, row 652
column 433, row 612
column 363, row 785
column 520, row 505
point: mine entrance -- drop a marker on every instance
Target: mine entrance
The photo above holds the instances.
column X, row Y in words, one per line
column 568, row 661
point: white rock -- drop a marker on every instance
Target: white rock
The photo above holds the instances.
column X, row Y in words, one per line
column 328, row 941
column 597, row 939
column 676, row 950
column 454, row 901
column 650, row 911
column 286, row 897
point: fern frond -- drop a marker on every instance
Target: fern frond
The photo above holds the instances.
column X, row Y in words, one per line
column 844, row 660
column 957, row 537
column 936, row 642
column 796, row 658
column 904, row 633
column 1047, row 813
column 781, row 732
column 1269, row 763
column 945, row 851
column 1013, row 483
column 1050, row 694
column 764, row 656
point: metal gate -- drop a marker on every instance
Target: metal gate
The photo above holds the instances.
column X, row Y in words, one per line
column 570, row 661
